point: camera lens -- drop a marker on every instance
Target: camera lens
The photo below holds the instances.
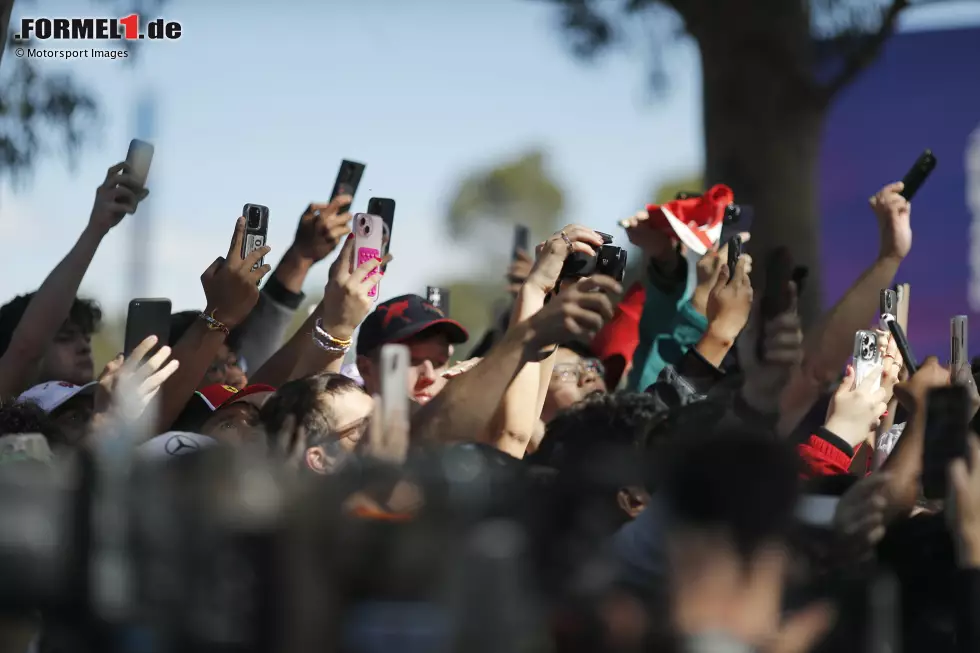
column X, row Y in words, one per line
column 254, row 218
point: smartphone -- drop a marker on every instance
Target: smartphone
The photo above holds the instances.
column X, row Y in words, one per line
column 368, row 243
column 887, row 305
column 776, row 298
column 138, row 161
column 958, row 356
column 256, row 230
column 868, row 357
column 145, row 318
column 395, row 361
column 348, row 179
column 945, row 437
column 606, row 238
column 734, row 253
column 522, row 241
column 918, row 174
column 737, row 220
column 898, row 334
column 438, row 297
column 384, row 208
column 800, row 273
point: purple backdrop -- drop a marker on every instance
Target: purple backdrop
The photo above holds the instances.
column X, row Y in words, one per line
column 924, row 92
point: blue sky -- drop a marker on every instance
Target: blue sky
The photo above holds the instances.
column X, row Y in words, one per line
column 423, row 91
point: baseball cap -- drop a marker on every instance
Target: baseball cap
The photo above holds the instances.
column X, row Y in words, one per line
column 210, row 398
column 174, row 443
column 53, row 394
column 401, row 318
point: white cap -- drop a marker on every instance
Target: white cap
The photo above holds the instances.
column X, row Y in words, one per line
column 174, row 443
column 53, row 394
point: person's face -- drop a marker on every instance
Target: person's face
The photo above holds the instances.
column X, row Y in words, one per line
column 429, row 358
column 74, row 416
column 573, row 379
column 348, row 417
column 225, row 370
column 68, row 357
column 238, row 421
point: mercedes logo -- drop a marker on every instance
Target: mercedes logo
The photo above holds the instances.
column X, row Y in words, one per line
column 180, row 445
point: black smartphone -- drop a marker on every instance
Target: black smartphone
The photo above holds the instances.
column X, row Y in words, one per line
column 898, row 333
column 918, row 174
column 438, row 297
column 734, row 253
column 384, row 208
column 348, row 179
column 147, row 317
column 522, row 240
column 256, row 230
column 138, row 161
column 945, row 437
column 800, row 273
column 606, row 238
column 737, row 220
column 776, row 297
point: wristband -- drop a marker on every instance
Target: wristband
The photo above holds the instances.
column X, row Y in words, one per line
column 213, row 323
column 327, row 342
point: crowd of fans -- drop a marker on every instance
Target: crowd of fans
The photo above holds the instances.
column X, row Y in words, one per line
column 662, row 468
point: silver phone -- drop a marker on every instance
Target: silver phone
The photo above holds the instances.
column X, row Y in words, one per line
column 256, row 230
column 868, row 357
column 958, row 355
column 395, row 361
column 887, row 305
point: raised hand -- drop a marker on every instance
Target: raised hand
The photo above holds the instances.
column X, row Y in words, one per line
column 346, row 301
column 577, row 313
column 230, row 284
column 551, row 254
column 894, row 214
column 963, row 507
column 654, row 243
column 321, row 228
column 730, row 302
column 709, row 268
column 119, row 194
column 861, row 515
column 142, row 379
column 856, row 408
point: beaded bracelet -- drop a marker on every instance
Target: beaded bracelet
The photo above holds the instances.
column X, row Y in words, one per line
column 327, row 342
column 213, row 323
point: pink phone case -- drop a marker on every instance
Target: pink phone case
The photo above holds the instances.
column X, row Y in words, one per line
column 366, row 254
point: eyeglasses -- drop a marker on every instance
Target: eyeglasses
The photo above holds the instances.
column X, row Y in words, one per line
column 577, row 372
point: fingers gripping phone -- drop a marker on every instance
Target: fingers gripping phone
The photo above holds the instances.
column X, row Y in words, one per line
column 348, row 179
column 945, row 439
column 395, row 361
column 868, row 358
column 145, row 318
column 734, row 253
column 898, row 334
column 368, row 243
column 256, row 230
column 138, row 160
column 918, row 174
column 958, row 356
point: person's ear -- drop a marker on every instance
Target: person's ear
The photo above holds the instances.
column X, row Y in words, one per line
column 632, row 501
column 316, row 460
column 365, row 367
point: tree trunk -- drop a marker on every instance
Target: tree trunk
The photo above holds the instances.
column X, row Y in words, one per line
column 763, row 124
column 6, row 8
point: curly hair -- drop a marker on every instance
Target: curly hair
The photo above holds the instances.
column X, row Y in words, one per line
column 85, row 314
column 26, row 417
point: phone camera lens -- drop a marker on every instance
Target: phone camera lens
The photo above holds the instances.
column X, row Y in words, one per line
column 254, row 218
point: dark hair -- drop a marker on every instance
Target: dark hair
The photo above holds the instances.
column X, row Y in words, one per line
column 26, row 417
column 84, row 314
column 301, row 399
column 182, row 321
column 745, row 482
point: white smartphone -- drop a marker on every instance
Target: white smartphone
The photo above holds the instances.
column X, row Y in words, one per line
column 958, row 355
column 867, row 357
column 395, row 361
column 368, row 243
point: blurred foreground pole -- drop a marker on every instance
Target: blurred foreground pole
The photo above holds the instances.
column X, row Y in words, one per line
column 141, row 223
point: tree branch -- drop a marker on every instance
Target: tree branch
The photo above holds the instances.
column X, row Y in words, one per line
column 867, row 52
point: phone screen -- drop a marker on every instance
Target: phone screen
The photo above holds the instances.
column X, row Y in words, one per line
column 147, row 317
column 945, row 437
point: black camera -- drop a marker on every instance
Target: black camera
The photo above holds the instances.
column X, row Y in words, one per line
column 254, row 217
column 609, row 260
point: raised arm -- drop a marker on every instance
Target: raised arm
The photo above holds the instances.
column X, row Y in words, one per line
column 52, row 302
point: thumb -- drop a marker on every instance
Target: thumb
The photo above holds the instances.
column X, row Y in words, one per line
column 723, row 275
column 847, row 383
column 342, row 265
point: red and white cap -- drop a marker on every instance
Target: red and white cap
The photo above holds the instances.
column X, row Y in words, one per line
column 53, row 394
column 695, row 221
